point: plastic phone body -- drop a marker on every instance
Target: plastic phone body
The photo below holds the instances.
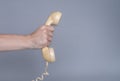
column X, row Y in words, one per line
column 48, row 53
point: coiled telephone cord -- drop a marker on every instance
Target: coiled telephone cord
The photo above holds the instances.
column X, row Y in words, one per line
column 44, row 74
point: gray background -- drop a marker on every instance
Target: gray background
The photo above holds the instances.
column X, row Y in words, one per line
column 86, row 42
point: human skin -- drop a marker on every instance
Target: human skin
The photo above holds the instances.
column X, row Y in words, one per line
column 40, row 38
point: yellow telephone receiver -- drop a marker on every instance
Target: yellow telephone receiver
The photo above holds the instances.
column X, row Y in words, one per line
column 47, row 52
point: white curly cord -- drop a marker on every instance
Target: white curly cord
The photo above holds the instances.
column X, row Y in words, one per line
column 45, row 73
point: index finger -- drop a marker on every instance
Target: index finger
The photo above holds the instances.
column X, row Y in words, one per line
column 51, row 28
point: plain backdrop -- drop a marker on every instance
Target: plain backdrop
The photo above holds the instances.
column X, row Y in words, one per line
column 86, row 41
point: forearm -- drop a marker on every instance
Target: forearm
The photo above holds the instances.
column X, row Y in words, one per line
column 14, row 42
column 37, row 39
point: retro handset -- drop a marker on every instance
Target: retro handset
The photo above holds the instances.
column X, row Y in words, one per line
column 47, row 52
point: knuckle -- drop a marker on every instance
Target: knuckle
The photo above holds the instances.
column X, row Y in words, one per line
column 45, row 31
column 52, row 28
column 49, row 39
column 51, row 34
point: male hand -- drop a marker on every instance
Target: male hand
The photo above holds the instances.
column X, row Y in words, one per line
column 42, row 37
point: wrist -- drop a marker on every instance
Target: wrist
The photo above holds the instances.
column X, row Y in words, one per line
column 29, row 42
